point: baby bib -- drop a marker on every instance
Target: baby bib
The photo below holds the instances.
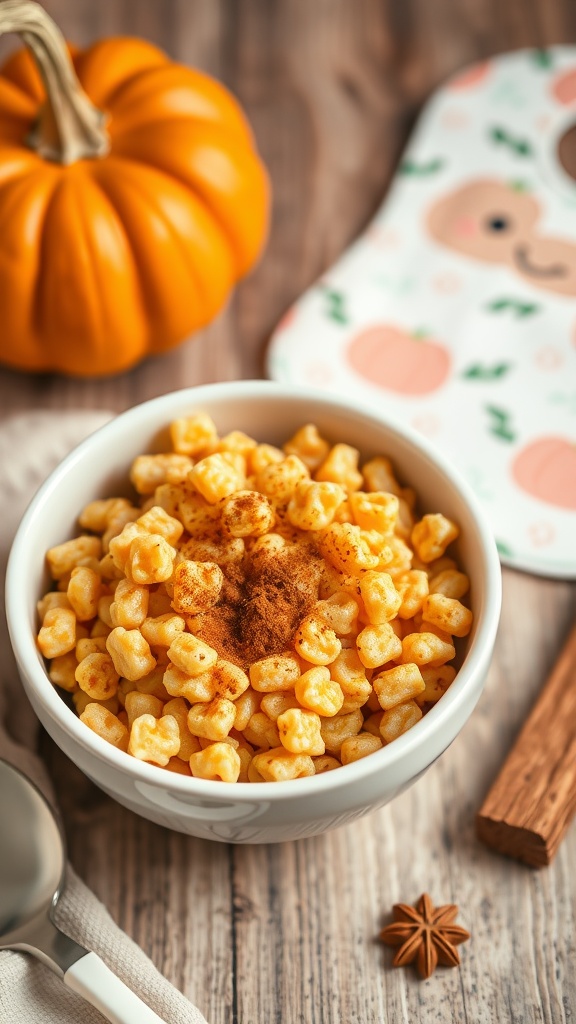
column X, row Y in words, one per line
column 456, row 309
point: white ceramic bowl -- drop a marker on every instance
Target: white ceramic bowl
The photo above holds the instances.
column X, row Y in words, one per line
column 247, row 812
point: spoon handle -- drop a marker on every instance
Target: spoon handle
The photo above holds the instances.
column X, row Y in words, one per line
column 96, row 983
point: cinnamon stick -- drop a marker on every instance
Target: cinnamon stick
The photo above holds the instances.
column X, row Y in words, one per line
column 533, row 800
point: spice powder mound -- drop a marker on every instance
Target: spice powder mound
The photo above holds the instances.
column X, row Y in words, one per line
column 261, row 605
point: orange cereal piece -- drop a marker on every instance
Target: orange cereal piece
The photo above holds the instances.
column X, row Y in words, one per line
column 197, row 586
column 280, row 765
column 397, row 685
column 448, row 614
column 398, row 720
column 106, row 725
column 432, row 535
column 219, row 762
column 97, row 676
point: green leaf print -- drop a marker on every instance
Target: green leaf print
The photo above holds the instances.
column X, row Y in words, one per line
column 514, row 306
column 479, row 372
column 335, row 306
column 504, row 549
column 408, row 167
column 542, row 58
column 526, row 308
column 500, row 425
column 501, row 137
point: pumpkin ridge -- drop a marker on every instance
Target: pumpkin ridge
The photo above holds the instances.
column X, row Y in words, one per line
column 194, row 181
column 88, row 358
column 201, row 297
column 82, row 62
column 11, row 71
column 133, row 249
column 26, row 162
column 220, row 108
column 95, row 275
column 29, row 182
column 36, row 318
column 21, row 98
column 146, row 340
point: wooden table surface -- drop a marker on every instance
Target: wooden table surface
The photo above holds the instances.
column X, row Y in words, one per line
column 287, row 933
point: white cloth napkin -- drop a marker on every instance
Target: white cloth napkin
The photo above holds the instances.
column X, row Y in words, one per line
column 30, row 446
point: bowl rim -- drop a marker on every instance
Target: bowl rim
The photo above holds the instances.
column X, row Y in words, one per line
column 23, row 640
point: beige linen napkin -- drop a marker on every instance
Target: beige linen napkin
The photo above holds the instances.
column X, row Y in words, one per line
column 30, row 446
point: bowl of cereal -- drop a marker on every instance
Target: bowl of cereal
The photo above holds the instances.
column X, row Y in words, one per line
column 251, row 613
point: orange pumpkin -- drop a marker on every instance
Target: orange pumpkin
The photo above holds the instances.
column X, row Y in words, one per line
column 131, row 200
column 392, row 359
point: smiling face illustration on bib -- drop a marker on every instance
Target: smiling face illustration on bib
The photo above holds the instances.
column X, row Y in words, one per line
column 493, row 222
column 455, row 311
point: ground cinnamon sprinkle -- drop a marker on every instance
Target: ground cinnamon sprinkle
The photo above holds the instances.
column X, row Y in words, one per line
column 262, row 604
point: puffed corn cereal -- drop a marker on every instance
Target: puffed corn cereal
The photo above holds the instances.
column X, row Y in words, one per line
column 218, row 761
column 432, row 535
column 97, row 676
column 217, row 476
column 62, row 671
column 151, row 471
column 189, row 744
column 308, row 445
column 130, row 605
column 447, row 613
column 341, row 467
column 58, row 632
column 279, row 672
column 316, row 642
column 150, row 559
column 107, row 725
column 299, row 731
column 154, row 739
column 213, row 721
column 256, row 613
column 65, row 557
column 356, row 747
column 378, row 644
column 191, row 434
column 247, row 514
column 397, row 685
column 381, row 598
column 278, row 480
column 398, row 720
column 197, row 586
column 375, row 510
column 130, row 653
column 316, row 691
column 314, row 505
column 280, row 765
column 426, row 649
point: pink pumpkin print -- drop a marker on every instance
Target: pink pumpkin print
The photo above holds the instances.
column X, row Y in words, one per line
column 546, row 469
column 564, row 87
column 397, row 361
column 471, row 76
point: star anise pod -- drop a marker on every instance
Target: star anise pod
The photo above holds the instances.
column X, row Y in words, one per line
column 426, row 934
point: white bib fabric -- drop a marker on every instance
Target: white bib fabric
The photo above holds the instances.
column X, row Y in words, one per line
column 456, row 310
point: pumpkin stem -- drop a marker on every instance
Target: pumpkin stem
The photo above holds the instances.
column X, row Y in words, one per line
column 68, row 127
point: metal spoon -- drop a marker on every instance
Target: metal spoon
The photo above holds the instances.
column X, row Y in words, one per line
column 32, row 868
